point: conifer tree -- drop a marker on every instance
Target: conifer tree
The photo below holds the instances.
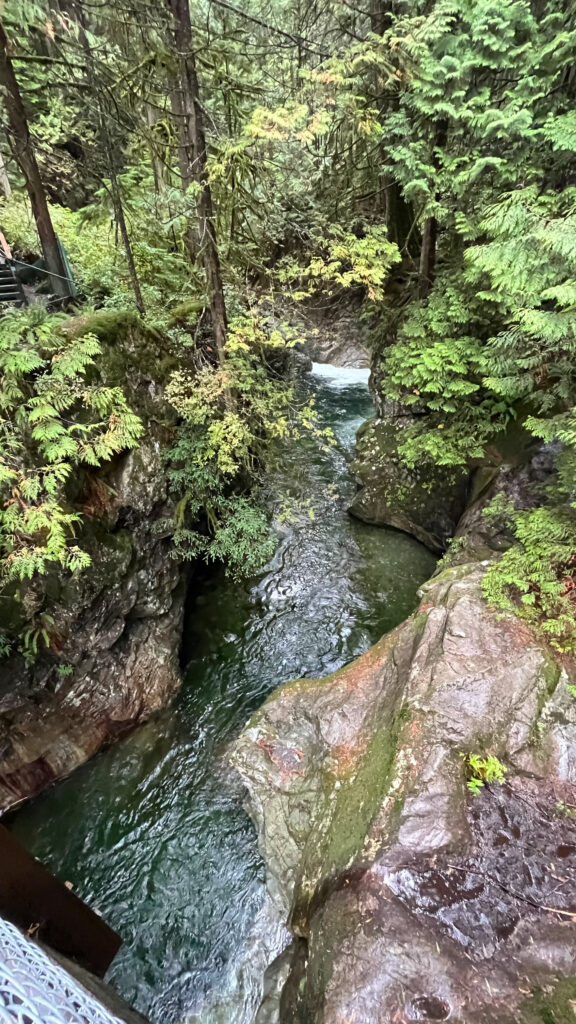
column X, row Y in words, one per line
column 193, row 161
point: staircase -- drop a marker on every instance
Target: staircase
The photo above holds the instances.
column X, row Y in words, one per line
column 10, row 288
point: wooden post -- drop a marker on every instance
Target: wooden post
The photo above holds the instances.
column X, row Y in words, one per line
column 43, row 907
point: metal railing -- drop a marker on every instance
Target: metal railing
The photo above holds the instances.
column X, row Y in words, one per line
column 35, row 990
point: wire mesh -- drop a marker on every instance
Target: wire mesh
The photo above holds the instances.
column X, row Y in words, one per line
column 36, row 990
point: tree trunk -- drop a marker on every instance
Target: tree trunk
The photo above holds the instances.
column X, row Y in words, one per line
column 121, row 222
column 193, row 166
column 397, row 212
column 157, row 168
column 176, row 107
column 427, row 270
column 427, row 257
column 399, row 217
column 108, row 146
column 381, row 14
column 377, row 16
column 24, row 153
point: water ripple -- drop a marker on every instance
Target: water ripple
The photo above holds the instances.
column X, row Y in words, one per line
column 146, row 831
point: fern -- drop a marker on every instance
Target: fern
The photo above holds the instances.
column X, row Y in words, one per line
column 221, row 452
column 44, row 389
column 535, row 577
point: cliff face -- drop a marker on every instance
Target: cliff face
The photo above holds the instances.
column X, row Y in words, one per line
column 408, row 897
column 114, row 630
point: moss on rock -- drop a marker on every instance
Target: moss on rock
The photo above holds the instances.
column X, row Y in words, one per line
column 416, row 899
column 552, row 1004
column 425, row 501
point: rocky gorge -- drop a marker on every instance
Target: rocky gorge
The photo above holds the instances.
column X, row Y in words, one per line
column 288, row 503
column 109, row 656
column 408, row 896
column 160, row 844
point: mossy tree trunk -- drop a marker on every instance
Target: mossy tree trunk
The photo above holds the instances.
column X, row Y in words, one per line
column 193, row 163
column 24, row 152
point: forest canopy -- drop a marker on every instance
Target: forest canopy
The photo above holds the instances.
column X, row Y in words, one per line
column 218, row 169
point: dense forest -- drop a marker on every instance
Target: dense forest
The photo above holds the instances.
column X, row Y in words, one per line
column 288, row 392
column 209, row 175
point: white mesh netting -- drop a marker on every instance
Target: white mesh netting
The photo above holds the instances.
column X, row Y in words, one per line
column 35, row 990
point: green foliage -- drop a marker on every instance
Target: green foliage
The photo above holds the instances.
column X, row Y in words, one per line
column 535, row 577
column 483, row 771
column 436, row 364
column 234, row 416
column 565, row 810
column 343, row 259
column 455, row 546
column 481, row 137
column 56, row 416
column 98, row 263
column 35, row 636
column 241, row 540
column 5, row 645
column 335, row 150
column 494, row 340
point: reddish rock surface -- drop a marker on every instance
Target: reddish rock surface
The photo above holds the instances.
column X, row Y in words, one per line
column 410, row 898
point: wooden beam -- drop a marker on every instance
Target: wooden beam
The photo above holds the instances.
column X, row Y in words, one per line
column 45, row 909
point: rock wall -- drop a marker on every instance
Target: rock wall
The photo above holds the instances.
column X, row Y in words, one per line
column 410, row 898
column 115, row 630
column 424, row 502
column 114, row 660
column 336, row 334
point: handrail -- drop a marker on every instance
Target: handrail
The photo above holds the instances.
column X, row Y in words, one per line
column 34, row 989
column 41, row 270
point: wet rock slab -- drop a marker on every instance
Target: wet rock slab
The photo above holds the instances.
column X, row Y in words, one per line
column 410, row 898
column 461, row 937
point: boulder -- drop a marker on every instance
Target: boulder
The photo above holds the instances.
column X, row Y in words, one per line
column 409, row 897
column 520, row 482
column 425, row 501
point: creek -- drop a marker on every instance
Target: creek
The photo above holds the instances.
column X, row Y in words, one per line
column 149, row 833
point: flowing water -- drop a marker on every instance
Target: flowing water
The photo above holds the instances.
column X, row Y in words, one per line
column 148, row 832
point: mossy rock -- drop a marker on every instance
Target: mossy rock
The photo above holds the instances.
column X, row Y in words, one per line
column 16, row 607
column 131, row 349
column 111, row 555
column 426, row 501
column 554, row 1004
column 109, row 325
column 186, row 312
column 414, row 899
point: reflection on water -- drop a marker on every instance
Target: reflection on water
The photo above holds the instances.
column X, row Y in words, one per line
column 147, row 832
